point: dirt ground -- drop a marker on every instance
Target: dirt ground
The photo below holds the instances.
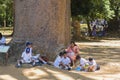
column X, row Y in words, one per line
column 106, row 53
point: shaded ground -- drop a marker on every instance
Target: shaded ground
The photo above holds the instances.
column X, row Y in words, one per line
column 106, row 53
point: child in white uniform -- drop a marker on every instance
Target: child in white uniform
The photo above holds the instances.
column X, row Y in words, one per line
column 58, row 60
column 83, row 62
column 92, row 65
column 26, row 58
column 65, row 63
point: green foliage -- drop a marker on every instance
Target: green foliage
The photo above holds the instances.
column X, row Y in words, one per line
column 115, row 6
column 91, row 8
column 6, row 12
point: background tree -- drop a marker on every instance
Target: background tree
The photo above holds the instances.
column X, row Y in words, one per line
column 90, row 10
column 6, row 13
column 114, row 23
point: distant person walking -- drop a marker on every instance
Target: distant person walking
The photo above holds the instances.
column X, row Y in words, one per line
column 94, row 31
column 2, row 40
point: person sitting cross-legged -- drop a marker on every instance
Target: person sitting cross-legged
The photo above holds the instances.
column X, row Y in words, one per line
column 83, row 63
column 58, row 60
column 65, row 63
column 26, row 58
column 92, row 65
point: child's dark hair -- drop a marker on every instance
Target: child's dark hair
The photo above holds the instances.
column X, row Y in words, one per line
column 61, row 53
column 78, row 57
column 64, row 52
column 90, row 59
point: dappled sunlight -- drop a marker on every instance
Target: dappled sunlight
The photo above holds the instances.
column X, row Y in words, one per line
column 99, row 44
column 99, row 75
column 106, row 77
column 8, row 40
column 109, row 43
column 7, row 77
column 60, row 75
column 34, row 73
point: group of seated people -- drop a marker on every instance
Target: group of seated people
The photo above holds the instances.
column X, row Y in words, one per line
column 67, row 58
column 89, row 65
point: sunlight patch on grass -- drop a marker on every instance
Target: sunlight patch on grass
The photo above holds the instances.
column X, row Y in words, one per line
column 60, row 75
column 34, row 73
column 100, row 44
column 106, row 77
column 7, row 77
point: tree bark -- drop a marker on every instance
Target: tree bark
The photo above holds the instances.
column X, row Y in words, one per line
column 76, row 29
column 45, row 23
column 4, row 22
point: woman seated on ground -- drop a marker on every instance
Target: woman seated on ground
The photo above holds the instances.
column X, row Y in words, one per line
column 72, row 52
column 2, row 40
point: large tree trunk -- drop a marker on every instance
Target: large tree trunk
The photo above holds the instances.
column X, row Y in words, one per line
column 43, row 22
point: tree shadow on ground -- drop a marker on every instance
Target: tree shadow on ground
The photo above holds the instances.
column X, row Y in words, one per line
column 44, row 72
column 101, row 54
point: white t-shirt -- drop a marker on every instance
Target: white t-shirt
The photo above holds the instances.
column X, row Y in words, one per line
column 30, row 50
column 2, row 40
column 92, row 63
column 66, row 61
column 83, row 62
column 57, row 61
column 26, row 56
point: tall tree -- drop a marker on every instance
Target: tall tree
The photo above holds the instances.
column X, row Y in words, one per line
column 90, row 9
column 115, row 21
column 45, row 23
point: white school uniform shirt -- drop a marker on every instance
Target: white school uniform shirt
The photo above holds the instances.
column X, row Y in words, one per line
column 30, row 50
column 2, row 40
column 83, row 62
column 26, row 56
column 66, row 61
column 92, row 63
column 57, row 61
